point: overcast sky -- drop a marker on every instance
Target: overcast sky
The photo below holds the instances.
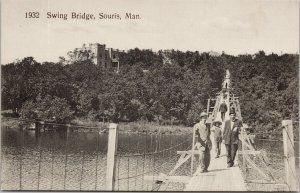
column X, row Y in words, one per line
column 233, row 26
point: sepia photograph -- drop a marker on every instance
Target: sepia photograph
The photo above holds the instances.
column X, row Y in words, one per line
column 160, row 95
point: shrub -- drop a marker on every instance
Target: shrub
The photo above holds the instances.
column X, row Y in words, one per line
column 47, row 108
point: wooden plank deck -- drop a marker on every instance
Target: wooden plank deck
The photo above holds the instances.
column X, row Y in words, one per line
column 218, row 177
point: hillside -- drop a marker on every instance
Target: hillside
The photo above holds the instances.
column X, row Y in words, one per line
column 168, row 87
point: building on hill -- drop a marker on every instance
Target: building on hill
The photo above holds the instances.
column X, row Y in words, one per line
column 99, row 54
column 213, row 53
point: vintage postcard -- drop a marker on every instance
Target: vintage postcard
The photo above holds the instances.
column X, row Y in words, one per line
column 149, row 95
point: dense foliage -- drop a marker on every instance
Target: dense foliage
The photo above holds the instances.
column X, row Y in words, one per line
column 168, row 87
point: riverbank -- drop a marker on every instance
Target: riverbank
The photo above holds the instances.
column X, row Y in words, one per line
column 11, row 123
column 81, row 125
column 137, row 127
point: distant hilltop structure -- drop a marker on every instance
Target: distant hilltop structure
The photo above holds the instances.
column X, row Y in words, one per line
column 109, row 57
column 213, row 53
column 99, row 54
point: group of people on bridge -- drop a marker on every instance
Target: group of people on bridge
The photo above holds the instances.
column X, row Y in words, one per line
column 228, row 135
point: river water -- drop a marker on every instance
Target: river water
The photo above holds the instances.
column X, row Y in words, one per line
column 77, row 160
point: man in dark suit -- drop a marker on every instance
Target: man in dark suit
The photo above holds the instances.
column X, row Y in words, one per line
column 223, row 110
column 231, row 131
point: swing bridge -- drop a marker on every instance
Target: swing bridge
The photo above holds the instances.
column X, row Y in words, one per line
column 158, row 162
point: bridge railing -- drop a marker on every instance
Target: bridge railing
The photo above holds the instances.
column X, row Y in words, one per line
column 269, row 164
column 152, row 155
column 45, row 160
column 99, row 165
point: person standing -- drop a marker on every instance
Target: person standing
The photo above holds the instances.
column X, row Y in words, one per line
column 232, row 107
column 223, row 110
column 217, row 136
column 202, row 130
column 231, row 131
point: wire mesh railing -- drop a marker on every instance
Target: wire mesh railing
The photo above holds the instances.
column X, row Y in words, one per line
column 60, row 160
column 75, row 161
column 45, row 163
column 267, row 172
column 151, row 155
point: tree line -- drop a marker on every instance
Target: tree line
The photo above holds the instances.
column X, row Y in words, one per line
column 168, row 86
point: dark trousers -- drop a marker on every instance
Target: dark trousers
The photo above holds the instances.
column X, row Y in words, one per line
column 222, row 116
column 231, row 150
column 218, row 147
column 205, row 159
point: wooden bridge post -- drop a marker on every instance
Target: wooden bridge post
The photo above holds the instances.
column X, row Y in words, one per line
column 193, row 145
column 228, row 105
column 111, row 152
column 243, row 147
column 208, row 105
column 289, row 155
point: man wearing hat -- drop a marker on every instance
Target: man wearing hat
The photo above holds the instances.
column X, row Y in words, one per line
column 223, row 109
column 202, row 130
column 231, row 137
column 218, row 136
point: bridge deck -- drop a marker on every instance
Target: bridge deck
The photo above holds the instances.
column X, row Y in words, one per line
column 218, row 177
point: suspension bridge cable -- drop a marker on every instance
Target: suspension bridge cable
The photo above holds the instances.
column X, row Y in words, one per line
column 40, row 156
column 168, row 174
column 150, row 153
column 119, row 160
column 57, row 124
column 150, row 169
column 155, row 152
column 137, row 161
column 153, row 173
column 21, row 155
column 275, row 140
column 82, row 170
column 128, row 165
column 144, row 158
column 156, row 169
column 52, row 160
column 168, row 183
column 66, row 160
column 97, row 158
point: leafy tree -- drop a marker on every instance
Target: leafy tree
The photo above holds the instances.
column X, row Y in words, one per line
column 18, row 82
column 154, row 86
column 47, row 108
